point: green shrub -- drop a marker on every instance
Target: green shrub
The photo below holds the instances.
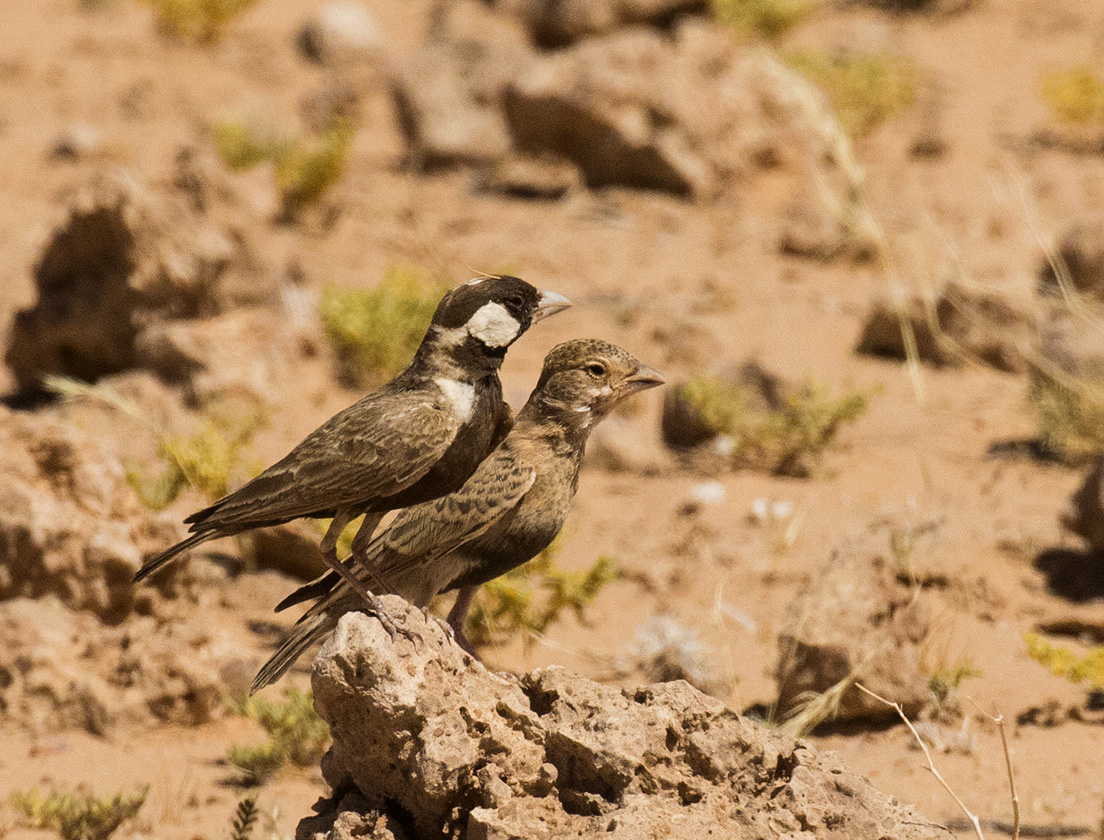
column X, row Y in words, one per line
column 295, row 733
column 241, row 146
column 201, row 21
column 78, row 815
column 791, row 440
column 865, row 89
column 1075, row 96
column 770, row 19
column 205, row 460
column 304, row 169
column 376, row 331
column 1063, row 662
column 532, row 597
column 944, row 683
column 1069, row 417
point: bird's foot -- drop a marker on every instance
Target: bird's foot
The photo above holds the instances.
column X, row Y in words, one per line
column 393, row 628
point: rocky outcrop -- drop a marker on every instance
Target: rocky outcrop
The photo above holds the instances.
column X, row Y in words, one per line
column 687, row 115
column 428, row 743
column 557, row 23
column 995, row 328
column 126, row 254
column 64, row 669
column 861, row 619
column 1080, row 260
column 70, row 525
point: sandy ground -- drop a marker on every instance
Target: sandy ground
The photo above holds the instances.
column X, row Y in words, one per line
column 701, row 282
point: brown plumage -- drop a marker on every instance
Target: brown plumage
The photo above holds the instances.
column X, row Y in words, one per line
column 418, row 437
column 510, row 509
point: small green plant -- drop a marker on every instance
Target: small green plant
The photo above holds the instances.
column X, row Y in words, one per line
column 376, row 331
column 865, row 89
column 770, row 19
column 242, row 146
column 78, row 815
column 1063, row 662
column 245, row 817
column 791, row 440
column 201, row 21
column 532, row 597
column 304, row 169
column 1069, row 417
column 1075, row 96
column 204, row 460
column 295, row 733
column 944, row 683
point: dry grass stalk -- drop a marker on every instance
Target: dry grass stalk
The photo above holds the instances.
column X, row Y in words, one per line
column 998, row 719
column 927, row 754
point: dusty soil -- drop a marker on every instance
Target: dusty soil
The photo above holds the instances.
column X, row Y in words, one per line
column 683, row 285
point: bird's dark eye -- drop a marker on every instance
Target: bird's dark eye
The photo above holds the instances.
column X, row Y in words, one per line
column 515, row 302
column 596, row 369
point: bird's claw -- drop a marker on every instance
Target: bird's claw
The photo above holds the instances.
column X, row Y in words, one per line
column 393, row 628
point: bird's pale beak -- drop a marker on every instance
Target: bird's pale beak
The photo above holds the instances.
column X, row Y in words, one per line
column 642, row 379
column 549, row 303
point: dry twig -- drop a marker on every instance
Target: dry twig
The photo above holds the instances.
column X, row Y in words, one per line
column 931, row 764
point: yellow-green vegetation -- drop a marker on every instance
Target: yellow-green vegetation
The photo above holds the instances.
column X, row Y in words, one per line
column 1069, row 417
column 376, row 331
column 532, row 597
column 79, row 815
column 1063, row 662
column 296, row 734
column 304, row 168
column 791, row 440
column 1075, row 96
column 770, row 19
column 242, row 146
column 865, row 89
column 944, row 682
column 201, row 21
column 204, row 460
column 245, row 817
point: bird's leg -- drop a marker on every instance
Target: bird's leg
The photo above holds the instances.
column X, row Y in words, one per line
column 360, row 553
column 328, row 547
column 456, row 617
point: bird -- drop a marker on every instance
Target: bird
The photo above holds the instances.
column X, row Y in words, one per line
column 418, row 437
column 506, row 513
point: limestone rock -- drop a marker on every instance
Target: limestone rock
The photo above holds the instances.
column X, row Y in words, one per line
column 989, row 326
column 448, row 96
column 246, row 353
column 427, row 738
column 556, row 23
column 857, row 618
column 125, row 255
column 1081, row 254
column 70, row 526
column 64, row 669
column 688, row 115
column 339, row 32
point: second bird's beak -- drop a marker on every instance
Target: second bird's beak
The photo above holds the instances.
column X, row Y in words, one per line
column 642, row 379
column 549, row 303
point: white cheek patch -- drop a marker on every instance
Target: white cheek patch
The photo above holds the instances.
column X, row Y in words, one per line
column 460, row 397
column 493, row 325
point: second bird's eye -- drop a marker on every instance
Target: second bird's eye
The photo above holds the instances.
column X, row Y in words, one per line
column 596, row 369
column 515, row 302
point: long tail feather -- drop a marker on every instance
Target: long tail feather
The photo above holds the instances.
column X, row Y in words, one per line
column 317, row 588
column 302, row 637
column 156, row 562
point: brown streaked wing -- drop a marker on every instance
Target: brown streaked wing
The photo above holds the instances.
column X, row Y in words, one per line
column 356, row 458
